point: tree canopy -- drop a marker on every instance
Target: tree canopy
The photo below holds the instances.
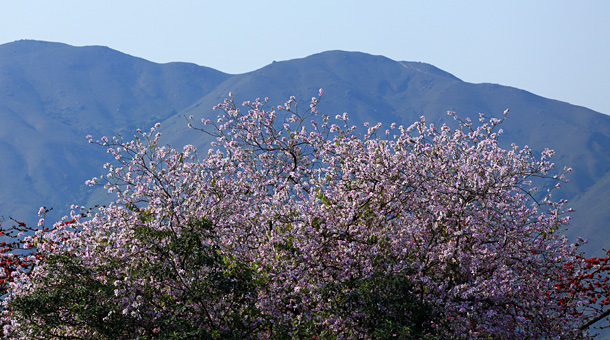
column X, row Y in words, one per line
column 297, row 225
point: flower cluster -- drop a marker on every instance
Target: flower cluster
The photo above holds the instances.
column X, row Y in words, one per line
column 296, row 227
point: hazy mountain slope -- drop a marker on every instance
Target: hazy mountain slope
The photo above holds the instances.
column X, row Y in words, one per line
column 369, row 88
column 372, row 88
column 96, row 88
column 52, row 95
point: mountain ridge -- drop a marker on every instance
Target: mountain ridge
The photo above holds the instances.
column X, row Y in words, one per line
column 53, row 94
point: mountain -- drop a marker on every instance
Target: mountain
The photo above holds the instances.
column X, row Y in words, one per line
column 52, row 95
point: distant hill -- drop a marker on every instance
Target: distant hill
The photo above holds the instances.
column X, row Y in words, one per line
column 52, row 95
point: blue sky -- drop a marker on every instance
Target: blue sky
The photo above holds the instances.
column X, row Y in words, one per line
column 557, row 49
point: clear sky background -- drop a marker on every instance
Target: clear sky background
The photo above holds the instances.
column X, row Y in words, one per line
column 554, row 48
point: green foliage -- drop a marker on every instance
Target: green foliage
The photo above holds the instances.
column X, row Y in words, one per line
column 202, row 277
column 198, row 275
column 383, row 306
column 74, row 298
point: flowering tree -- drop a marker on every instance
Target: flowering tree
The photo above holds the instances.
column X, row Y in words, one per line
column 12, row 260
column 589, row 277
column 295, row 227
